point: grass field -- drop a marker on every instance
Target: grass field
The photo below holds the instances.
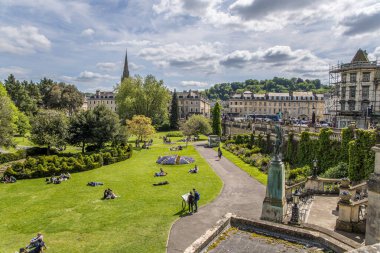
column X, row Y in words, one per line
column 73, row 218
column 251, row 170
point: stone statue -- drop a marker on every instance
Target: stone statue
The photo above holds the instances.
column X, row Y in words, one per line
column 279, row 141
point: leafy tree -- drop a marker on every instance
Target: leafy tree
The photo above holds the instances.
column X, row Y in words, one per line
column 23, row 125
column 7, row 120
column 81, row 128
column 141, row 127
column 217, row 119
column 195, row 125
column 148, row 97
column 106, row 125
column 20, row 95
column 174, row 112
column 49, row 127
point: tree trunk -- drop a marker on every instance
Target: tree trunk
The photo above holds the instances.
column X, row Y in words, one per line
column 48, row 150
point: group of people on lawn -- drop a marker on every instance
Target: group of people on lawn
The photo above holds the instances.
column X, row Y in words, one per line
column 59, row 179
column 192, row 201
column 109, row 194
column 8, row 179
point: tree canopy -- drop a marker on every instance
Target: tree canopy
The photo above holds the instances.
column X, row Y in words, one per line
column 195, row 125
column 141, row 127
column 174, row 124
column 224, row 90
column 28, row 96
column 217, row 119
column 49, row 128
column 106, row 125
column 143, row 96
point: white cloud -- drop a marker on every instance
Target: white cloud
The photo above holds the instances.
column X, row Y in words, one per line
column 22, row 40
column 283, row 58
column 88, row 76
column 88, row 32
column 133, row 66
column 5, row 71
column 202, row 57
column 139, row 43
column 194, row 84
column 108, row 66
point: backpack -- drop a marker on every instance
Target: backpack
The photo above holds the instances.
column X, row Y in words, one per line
column 197, row 196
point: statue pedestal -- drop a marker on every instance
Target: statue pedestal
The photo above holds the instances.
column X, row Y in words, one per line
column 372, row 235
column 274, row 205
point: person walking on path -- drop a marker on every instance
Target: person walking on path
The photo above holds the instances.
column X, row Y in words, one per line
column 219, row 153
column 190, row 201
column 196, row 199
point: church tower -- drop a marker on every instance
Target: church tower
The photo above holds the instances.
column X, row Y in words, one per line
column 126, row 70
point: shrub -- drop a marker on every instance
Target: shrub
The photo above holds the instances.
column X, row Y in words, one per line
column 44, row 166
column 9, row 157
column 339, row 171
column 299, row 174
column 174, row 134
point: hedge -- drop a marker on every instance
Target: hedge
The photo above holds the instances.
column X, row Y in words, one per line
column 45, row 166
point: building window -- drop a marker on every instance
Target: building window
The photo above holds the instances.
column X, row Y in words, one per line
column 342, row 106
column 352, row 77
column 352, row 92
column 265, row 103
column 235, row 103
column 343, row 92
column 351, row 106
column 366, row 76
column 365, row 92
column 274, row 110
column 344, row 78
column 284, row 104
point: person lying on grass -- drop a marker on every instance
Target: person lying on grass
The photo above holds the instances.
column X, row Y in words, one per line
column 6, row 179
column 94, row 183
column 161, row 173
column 194, row 170
column 109, row 194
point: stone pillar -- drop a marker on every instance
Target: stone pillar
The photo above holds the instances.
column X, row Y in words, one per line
column 372, row 235
column 274, row 203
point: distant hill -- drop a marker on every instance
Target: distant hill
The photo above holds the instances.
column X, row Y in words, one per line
column 223, row 91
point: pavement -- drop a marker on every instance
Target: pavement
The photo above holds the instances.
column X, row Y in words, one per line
column 241, row 195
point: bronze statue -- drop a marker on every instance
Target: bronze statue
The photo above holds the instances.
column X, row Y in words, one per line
column 278, row 144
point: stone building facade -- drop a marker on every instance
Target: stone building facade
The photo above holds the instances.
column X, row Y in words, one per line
column 356, row 90
column 193, row 102
column 292, row 105
column 106, row 98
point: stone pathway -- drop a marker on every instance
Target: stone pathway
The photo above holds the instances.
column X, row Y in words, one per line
column 241, row 195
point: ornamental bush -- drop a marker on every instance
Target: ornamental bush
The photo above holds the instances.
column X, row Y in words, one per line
column 45, row 166
column 339, row 171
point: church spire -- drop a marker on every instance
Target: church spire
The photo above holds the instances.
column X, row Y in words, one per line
column 126, row 70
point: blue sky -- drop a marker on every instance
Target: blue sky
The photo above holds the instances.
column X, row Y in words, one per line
column 190, row 44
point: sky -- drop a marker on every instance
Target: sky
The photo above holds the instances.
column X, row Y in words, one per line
column 189, row 44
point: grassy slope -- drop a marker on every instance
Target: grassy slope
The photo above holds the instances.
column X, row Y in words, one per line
column 251, row 170
column 73, row 217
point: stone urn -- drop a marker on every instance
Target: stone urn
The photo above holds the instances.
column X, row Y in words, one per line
column 345, row 183
column 345, row 197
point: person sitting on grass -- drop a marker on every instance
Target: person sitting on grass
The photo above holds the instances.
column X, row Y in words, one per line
column 194, row 170
column 6, row 179
column 161, row 173
column 108, row 194
column 36, row 244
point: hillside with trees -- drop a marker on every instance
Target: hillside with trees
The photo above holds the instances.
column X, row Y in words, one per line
column 224, row 90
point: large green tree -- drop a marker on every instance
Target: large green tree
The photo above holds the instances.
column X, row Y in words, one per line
column 195, row 125
column 81, row 128
column 49, row 128
column 7, row 118
column 143, row 96
column 174, row 124
column 106, row 125
column 217, row 119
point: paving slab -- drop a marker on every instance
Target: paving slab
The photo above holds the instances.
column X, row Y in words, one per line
column 241, row 195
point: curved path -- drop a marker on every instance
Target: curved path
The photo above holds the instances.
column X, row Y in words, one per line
column 241, row 195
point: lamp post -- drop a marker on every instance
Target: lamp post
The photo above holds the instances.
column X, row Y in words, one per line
column 315, row 168
column 295, row 209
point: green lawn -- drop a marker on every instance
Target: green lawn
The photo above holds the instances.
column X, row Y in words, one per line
column 73, row 218
column 251, row 170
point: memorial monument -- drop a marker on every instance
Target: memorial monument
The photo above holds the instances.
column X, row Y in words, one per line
column 372, row 234
column 274, row 203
